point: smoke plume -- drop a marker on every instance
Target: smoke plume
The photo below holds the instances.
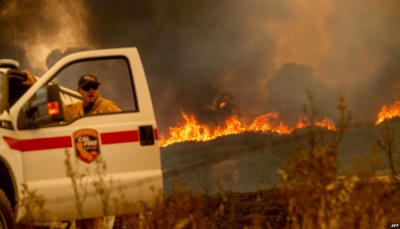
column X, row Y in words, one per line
column 259, row 56
column 32, row 29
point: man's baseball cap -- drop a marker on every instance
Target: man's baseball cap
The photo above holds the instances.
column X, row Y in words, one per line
column 87, row 80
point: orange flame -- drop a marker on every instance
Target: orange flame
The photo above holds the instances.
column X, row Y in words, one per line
column 192, row 131
column 301, row 124
column 232, row 126
column 388, row 113
column 326, row 122
column 283, row 129
column 261, row 123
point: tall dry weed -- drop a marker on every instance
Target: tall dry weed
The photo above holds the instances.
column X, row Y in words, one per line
column 78, row 181
column 34, row 212
column 315, row 199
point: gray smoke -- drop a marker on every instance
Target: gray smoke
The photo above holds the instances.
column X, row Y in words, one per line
column 287, row 93
column 258, row 56
column 57, row 54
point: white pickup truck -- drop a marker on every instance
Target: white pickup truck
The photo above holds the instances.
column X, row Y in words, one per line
column 34, row 135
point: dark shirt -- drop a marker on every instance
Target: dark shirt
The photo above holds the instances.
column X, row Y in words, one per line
column 86, row 109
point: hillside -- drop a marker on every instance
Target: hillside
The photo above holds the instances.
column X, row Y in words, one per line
column 245, row 162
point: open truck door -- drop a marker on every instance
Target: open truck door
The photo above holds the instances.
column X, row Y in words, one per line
column 126, row 141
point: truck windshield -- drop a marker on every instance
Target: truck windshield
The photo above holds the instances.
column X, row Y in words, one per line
column 16, row 88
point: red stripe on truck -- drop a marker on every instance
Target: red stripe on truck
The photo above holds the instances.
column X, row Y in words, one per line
column 12, row 143
column 39, row 143
column 45, row 143
column 119, row 137
column 66, row 142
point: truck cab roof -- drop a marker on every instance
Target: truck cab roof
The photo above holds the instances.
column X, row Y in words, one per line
column 9, row 63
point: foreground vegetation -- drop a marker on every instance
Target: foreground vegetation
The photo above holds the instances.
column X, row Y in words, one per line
column 315, row 199
column 310, row 194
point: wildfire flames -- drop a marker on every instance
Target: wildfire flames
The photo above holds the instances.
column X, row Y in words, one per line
column 389, row 112
column 191, row 130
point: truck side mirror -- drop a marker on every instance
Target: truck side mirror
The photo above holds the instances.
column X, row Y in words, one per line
column 45, row 109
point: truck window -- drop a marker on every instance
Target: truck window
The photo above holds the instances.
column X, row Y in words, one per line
column 16, row 88
column 116, row 85
column 114, row 75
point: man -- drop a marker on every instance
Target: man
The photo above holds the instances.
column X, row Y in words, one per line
column 92, row 103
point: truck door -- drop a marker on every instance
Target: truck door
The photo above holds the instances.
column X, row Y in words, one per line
column 126, row 140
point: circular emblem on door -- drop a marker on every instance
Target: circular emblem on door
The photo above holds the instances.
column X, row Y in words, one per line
column 86, row 144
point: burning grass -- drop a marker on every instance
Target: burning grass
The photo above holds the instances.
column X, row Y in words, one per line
column 192, row 130
column 389, row 112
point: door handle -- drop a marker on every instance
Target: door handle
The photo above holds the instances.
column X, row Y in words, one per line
column 146, row 135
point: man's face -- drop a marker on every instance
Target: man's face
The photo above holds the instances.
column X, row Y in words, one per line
column 89, row 93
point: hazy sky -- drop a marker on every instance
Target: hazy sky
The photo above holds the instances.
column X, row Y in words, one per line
column 258, row 56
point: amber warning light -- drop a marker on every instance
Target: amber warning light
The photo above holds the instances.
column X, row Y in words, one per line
column 53, row 108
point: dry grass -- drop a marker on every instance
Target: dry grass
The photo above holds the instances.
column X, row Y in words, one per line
column 313, row 198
